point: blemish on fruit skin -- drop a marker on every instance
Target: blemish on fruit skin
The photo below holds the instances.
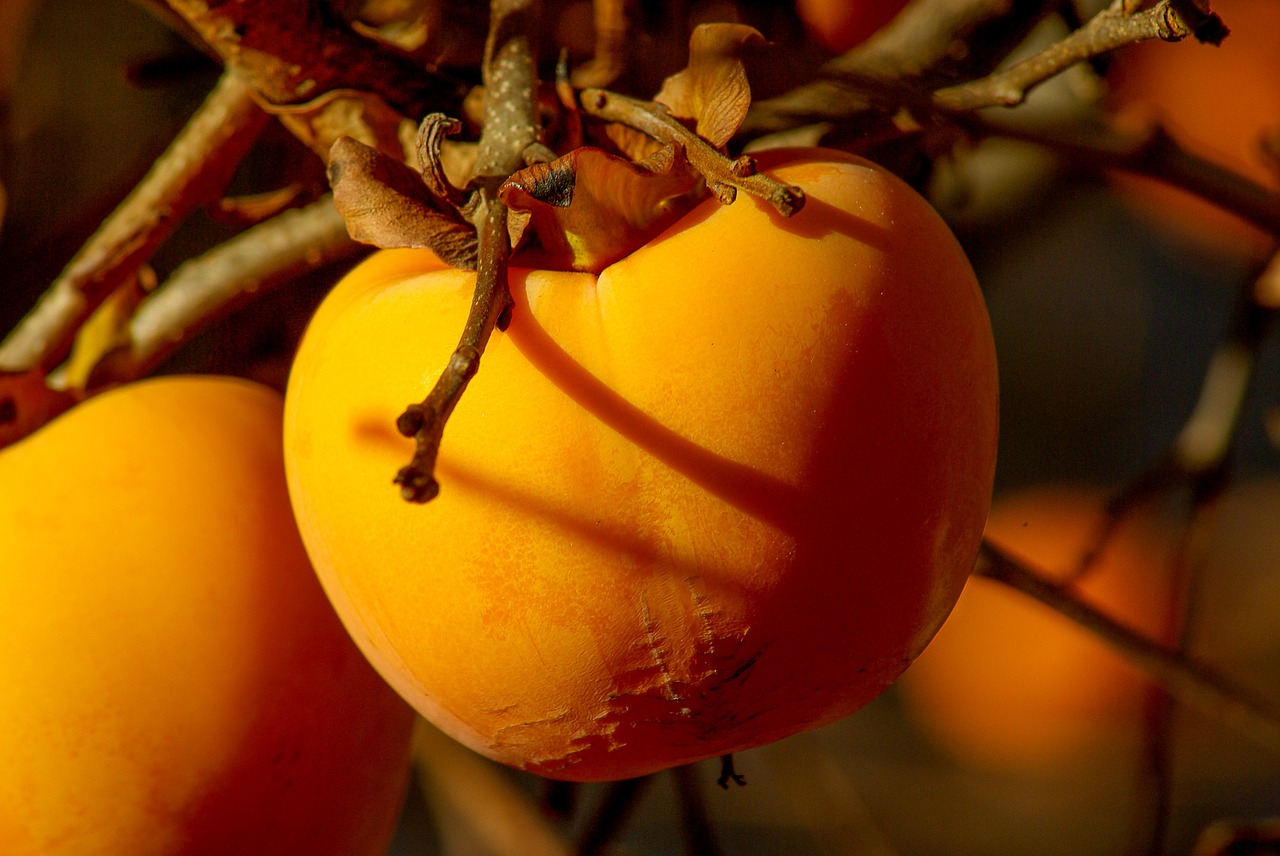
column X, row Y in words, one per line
column 656, row 645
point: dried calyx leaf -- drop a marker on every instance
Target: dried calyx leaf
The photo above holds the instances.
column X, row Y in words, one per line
column 388, row 204
column 712, row 90
column 711, row 93
column 345, row 113
column 589, row 208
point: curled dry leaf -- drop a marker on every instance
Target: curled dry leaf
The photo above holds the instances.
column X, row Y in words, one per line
column 431, row 137
column 589, row 208
column 346, row 113
column 26, row 403
column 387, row 204
column 711, row 92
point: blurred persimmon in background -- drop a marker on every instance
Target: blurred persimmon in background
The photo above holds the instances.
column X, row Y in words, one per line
column 839, row 25
column 1221, row 103
column 1008, row 684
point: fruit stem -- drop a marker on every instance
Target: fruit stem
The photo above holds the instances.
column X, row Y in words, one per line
column 490, row 309
column 729, row 774
column 510, row 130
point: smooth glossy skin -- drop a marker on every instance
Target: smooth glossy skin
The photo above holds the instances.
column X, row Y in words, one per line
column 172, row 679
column 723, row 492
column 1010, row 685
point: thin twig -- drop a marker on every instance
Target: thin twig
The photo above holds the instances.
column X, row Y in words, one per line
column 1106, row 31
column 216, row 283
column 1200, row 456
column 1191, row 682
column 695, row 823
column 510, row 129
column 611, row 46
column 722, row 173
column 1153, row 153
column 1151, row 826
column 191, row 172
column 918, row 48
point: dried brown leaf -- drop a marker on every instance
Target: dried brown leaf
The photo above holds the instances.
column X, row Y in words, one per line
column 712, row 90
column 431, row 137
column 346, row 113
column 387, row 204
column 589, row 208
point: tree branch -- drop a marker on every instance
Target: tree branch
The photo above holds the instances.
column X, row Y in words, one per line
column 191, row 172
column 1154, row 154
column 226, row 277
column 1188, row 680
column 917, row 49
column 291, row 52
column 1106, row 31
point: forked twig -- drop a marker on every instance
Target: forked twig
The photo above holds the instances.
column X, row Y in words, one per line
column 211, row 285
column 191, row 172
column 1112, row 28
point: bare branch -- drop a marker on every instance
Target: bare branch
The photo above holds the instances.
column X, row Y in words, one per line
column 291, row 52
column 1154, row 154
column 191, row 172
column 1108, row 30
column 929, row 45
column 1188, row 680
column 216, row 283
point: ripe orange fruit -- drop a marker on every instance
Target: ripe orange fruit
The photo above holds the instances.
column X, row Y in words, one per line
column 724, row 491
column 172, row 679
column 839, row 25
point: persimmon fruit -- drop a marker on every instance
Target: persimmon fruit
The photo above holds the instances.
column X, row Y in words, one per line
column 1008, row 684
column 839, row 25
column 1221, row 102
column 721, row 492
column 172, row 678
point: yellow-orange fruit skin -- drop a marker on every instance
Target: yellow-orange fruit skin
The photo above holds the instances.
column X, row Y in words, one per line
column 720, row 493
column 172, row 678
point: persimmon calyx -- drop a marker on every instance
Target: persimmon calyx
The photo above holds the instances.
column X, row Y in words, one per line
column 387, row 203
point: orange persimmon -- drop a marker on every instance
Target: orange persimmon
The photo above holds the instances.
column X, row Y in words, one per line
column 172, row 678
column 723, row 491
